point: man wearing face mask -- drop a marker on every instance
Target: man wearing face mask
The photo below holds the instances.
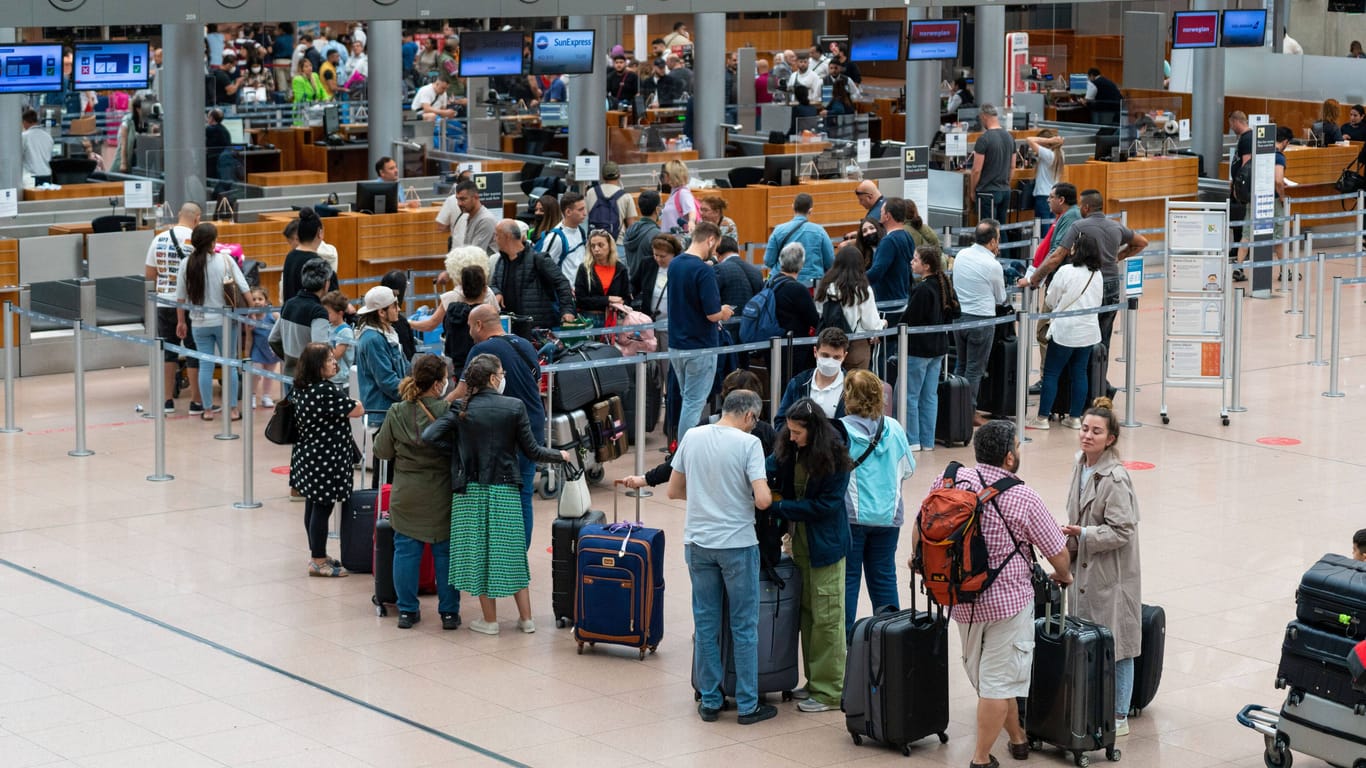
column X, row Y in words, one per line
column 521, row 379
column 824, row 383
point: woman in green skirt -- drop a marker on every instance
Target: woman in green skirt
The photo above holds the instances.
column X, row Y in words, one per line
column 488, row 544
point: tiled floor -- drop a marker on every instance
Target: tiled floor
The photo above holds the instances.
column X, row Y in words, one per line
column 1228, row 526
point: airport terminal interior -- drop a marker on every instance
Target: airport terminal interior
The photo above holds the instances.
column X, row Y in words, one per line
column 155, row 608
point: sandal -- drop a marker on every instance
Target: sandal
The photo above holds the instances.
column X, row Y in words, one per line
column 236, row 415
column 1019, row 751
column 206, row 416
column 327, row 570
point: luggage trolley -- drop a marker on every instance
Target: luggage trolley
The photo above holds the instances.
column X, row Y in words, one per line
column 1197, row 331
column 1312, row 726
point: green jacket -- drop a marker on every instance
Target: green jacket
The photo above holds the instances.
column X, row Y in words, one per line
column 420, row 501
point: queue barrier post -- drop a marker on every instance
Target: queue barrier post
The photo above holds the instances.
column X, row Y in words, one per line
column 1294, row 276
column 1318, row 311
column 1309, row 267
column 228, row 350
column 903, row 405
column 775, row 376
column 1025, row 335
column 1236, row 356
column 156, row 366
column 1361, row 222
column 248, row 459
column 10, row 372
column 639, row 436
column 78, row 356
column 1130, row 369
column 1333, row 390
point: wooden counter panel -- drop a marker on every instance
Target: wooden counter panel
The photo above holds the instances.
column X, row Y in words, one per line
column 1152, row 177
column 286, row 178
column 402, row 234
column 9, row 262
column 799, row 148
column 1318, row 165
column 74, row 191
column 833, row 202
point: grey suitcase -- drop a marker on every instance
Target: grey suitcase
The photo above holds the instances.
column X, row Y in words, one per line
column 780, row 613
column 1319, row 728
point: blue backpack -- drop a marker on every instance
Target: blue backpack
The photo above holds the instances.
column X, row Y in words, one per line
column 759, row 320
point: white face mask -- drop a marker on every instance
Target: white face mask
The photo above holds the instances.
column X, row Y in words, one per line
column 255, row 70
column 502, row 382
column 827, row 366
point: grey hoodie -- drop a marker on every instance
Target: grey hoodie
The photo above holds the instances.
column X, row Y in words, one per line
column 636, row 241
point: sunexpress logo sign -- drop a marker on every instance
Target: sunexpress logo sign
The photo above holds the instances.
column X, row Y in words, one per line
column 544, row 42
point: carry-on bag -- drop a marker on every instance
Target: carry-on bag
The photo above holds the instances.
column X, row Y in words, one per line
column 564, row 553
column 1332, row 595
column 609, row 428
column 576, row 389
column 1148, row 664
column 1317, row 727
column 1072, row 691
column 954, row 424
column 780, row 614
column 997, row 391
column 620, row 598
column 386, row 593
column 654, row 398
column 1314, row 661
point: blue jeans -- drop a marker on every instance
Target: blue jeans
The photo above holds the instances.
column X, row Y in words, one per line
column 1075, row 361
column 1124, row 687
column 872, row 550
column 922, row 399
column 407, row 564
column 208, row 338
column 696, row 376
column 528, row 468
column 974, row 348
column 730, row 574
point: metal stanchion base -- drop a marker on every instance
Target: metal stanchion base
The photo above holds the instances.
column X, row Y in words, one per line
column 1333, row 394
column 221, row 436
column 80, row 454
column 1304, row 335
column 246, row 505
column 1294, row 312
column 7, row 431
column 1318, row 363
column 159, row 478
column 1131, row 424
column 1237, row 409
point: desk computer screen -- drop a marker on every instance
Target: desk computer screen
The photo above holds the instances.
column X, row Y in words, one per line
column 237, row 132
column 555, row 115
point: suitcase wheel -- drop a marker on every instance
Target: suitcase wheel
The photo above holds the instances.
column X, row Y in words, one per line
column 906, row 750
column 1081, row 759
column 380, row 609
column 1277, row 754
column 1112, row 754
column 580, row 649
column 561, row 623
column 787, row 695
column 595, row 474
column 943, row 738
column 858, row 739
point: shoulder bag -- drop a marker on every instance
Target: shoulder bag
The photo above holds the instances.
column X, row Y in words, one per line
column 282, row 429
column 1041, row 330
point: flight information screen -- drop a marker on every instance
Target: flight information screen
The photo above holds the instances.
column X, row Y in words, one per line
column 111, row 66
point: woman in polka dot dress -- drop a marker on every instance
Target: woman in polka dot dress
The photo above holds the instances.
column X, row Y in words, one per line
column 320, row 466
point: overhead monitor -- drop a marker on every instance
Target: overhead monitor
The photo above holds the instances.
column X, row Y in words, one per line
column 110, row 66
column 1243, row 28
column 30, row 68
column 490, row 54
column 875, row 41
column 1347, row 6
column 933, row 39
column 567, row 52
column 237, row 133
column 1195, row 29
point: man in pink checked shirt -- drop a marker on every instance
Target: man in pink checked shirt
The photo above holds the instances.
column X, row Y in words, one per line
column 998, row 628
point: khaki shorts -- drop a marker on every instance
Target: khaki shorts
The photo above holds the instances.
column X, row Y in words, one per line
column 999, row 655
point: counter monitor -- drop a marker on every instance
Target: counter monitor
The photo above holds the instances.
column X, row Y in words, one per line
column 1243, row 28
column 30, row 68
column 110, row 66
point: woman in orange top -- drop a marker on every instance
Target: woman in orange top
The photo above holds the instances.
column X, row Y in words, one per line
column 601, row 280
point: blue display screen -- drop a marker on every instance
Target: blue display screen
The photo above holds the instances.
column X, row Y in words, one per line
column 1244, row 29
column 490, row 54
column 110, row 66
column 567, row 52
column 875, row 40
column 30, row 68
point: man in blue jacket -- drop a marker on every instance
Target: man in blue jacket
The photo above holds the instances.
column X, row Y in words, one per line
column 820, row 254
column 890, row 274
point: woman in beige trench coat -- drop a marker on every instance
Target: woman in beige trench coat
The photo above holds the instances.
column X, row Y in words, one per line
column 1102, row 531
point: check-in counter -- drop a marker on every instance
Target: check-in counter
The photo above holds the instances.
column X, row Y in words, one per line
column 74, row 191
column 341, row 162
column 1141, row 186
column 1314, row 169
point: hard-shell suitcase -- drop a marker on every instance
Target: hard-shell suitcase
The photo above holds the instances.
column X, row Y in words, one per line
column 954, row 425
column 620, row 597
column 780, row 614
column 1148, row 664
column 654, row 396
column 564, row 553
column 997, row 392
column 1332, row 595
column 1072, row 689
column 576, row 389
column 382, row 556
column 1314, row 661
column 1321, row 728
column 1097, row 371
column 896, row 678
column 358, row 515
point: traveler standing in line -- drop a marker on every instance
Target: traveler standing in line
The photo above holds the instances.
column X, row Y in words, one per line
column 680, row 210
column 994, row 160
column 1102, row 538
column 204, row 279
column 601, row 281
column 419, row 502
column 819, row 253
column 487, row 530
column 810, row 469
column 636, row 240
column 567, row 243
column 694, row 307
column 1076, row 285
column 997, row 629
column 890, row 273
column 380, row 364
column 719, row 471
column 933, row 302
column 846, row 284
column 1048, row 147
column 874, row 503
column 320, row 462
column 979, row 283
column 164, row 258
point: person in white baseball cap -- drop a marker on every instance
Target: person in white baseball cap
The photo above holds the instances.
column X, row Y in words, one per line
column 380, row 364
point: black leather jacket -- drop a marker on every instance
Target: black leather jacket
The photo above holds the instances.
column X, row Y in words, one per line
column 490, row 435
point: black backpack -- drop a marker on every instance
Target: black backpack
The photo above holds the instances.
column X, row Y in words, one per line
column 1241, row 186
column 832, row 316
column 604, row 214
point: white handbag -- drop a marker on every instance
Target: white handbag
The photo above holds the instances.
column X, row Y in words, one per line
column 575, row 498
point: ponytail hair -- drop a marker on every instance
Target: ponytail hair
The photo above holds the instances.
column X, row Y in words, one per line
column 427, row 371
column 195, row 269
column 478, row 372
column 1103, row 408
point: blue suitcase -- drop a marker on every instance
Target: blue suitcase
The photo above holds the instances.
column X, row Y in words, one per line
column 620, row 598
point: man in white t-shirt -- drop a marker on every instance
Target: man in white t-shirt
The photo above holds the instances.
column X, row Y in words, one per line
column 464, row 212
column 567, row 243
column 37, row 143
column 430, row 100
column 164, row 255
column 719, row 470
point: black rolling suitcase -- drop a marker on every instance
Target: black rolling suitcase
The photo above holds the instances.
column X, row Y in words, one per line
column 1072, row 689
column 780, row 615
column 385, row 592
column 1314, row 661
column 1096, row 382
column 896, row 678
column 1332, row 595
column 1148, row 664
column 564, row 558
column 997, row 392
column 654, row 396
column 358, row 530
column 954, row 424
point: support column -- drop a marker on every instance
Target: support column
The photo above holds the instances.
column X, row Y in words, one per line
column 709, row 66
column 182, row 52
column 11, row 128
column 588, row 96
column 640, row 26
column 1207, row 98
column 988, row 72
column 922, row 89
column 384, row 47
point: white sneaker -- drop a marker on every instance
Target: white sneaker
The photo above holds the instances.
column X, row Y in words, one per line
column 484, row 627
column 527, row 625
column 811, row 705
column 1071, row 423
column 266, row 402
column 1122, row 727
column 915, row 447
column 253, row 402
column 1038, row 422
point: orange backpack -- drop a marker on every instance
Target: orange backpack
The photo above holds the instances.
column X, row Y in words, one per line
column 951, row 550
